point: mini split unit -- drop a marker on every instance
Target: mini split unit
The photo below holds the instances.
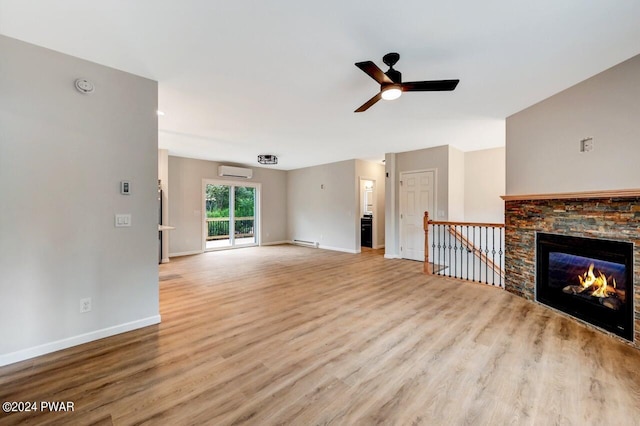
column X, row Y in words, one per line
column 237, row 172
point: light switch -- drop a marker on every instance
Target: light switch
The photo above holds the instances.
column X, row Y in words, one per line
column 123, row 220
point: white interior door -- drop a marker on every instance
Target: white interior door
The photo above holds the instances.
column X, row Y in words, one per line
column 417, row 195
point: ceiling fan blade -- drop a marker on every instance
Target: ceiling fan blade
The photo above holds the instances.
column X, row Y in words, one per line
column 374, row 72
column 429, row 86
column 369, row 103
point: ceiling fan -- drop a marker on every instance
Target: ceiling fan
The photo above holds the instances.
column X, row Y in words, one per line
column 391, row 85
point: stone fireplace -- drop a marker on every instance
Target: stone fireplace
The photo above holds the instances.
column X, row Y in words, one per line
column 588, row 278
column 600, row 233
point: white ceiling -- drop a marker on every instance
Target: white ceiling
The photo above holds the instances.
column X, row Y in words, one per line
column 242, row 78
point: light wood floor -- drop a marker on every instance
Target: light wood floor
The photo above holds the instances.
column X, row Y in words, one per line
column 291, row 335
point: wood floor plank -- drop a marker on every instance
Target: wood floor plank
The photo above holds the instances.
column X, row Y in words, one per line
column 297, row 336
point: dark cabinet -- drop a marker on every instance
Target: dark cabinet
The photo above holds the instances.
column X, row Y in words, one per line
column 366, row 231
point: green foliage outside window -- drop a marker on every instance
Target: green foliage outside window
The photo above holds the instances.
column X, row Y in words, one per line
column 218, row 201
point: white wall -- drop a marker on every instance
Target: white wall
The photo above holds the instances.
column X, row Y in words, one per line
column 543, row 140
column 62, row 157
column 363, row 189
column 484, row 183
column 323, row 205
column 185, row 202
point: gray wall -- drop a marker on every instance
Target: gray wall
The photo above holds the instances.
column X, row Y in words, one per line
column 423, row 159
column 62, row 157
column 185, row 202
column 456, row 172
column 469, row 186
column 543, row 140
column 484, row 183
column 396, row 163
column 323, row 205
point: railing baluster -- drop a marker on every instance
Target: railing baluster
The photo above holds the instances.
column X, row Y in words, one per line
column 500, row 256
column 444, row 252
column 467, row 232
column 433, row 249
column 455, row 252
column 486, row 265
column 493, row 254
column 449, row 251
column 436, row 234
column 443, row 259
column 473, row 261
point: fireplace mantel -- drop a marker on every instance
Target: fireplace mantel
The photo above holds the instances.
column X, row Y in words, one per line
column 616, row 193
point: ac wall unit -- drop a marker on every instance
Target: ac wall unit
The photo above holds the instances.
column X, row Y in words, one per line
column 237, row 172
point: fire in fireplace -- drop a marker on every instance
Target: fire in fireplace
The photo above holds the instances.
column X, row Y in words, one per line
column 590, row 279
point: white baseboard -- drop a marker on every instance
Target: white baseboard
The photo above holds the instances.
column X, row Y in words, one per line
column 392, row 256
column 338, row 249
column 185, row 253
column 58, row 345
column 276, row 243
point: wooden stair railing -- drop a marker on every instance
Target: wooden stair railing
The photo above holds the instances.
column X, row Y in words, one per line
column 481, row 253
column 473, row 249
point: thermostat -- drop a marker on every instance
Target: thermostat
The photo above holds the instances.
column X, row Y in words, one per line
column 125, row 187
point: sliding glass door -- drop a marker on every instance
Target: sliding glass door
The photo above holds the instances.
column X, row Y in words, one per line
column 231, row 214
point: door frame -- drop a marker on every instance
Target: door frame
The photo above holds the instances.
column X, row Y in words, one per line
column 374, row 211
column 400, row 213
column 257, row 213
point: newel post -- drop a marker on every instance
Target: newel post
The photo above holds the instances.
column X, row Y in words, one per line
column 427, row 269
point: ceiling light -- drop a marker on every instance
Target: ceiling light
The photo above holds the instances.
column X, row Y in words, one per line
column 267, row 159
column 391, row 92
column 160, row 113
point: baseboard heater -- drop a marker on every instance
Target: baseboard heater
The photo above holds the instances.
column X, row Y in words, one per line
column 306, row 243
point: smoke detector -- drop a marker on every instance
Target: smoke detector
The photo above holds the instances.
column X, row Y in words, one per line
column 85, row 86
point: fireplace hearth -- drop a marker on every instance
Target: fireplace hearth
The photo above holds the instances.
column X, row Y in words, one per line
column 603, row 216
column 591, row 279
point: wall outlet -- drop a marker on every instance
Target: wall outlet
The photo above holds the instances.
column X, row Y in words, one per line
column 123, row 220
column 85, row 305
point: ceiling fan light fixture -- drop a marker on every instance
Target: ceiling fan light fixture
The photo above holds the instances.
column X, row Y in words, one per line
column 391, row 85
column 267, row 159
column 391, row 92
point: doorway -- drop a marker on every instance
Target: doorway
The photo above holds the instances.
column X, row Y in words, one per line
column 368, row 234
column 230, row 214
column 417, row 195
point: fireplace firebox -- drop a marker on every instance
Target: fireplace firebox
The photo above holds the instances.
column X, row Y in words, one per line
column 591, row 279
